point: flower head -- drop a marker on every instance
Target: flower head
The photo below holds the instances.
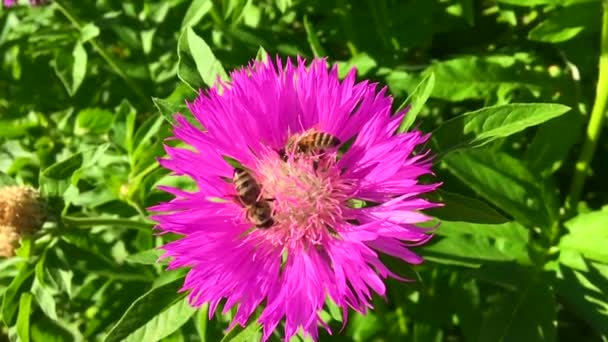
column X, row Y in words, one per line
column 21, row 207
column 280, row 228
column 9, row 240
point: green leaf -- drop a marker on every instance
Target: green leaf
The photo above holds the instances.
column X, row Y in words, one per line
column 168, row 109
column 583, row 291
column 149, row 257
column 587, row 234
column 196, row 11
column 527, row 315
column 44, row 329
column 543, row 155
column 471, row 244
column 262, row 54
column 250, row 333
column 566, row 23
column 144, row 311
column 361, row 61
column 416, row 101
column 23, row 320
column 163, row 324
column 363, row 327
column 146, row 136
column 123, row 127
column 6, row 180
column 45, row 299
column 93, row 121
column 88, row 32
column 505, row 182
column 468, row 11
column 475, row 77
column 458, row 207
column 197, row 63
column 283, row 5
column 71, row 67
column 474, row 129
column 313, row 39
column 65, row 168
column 18, row 285
column 56, row 179
column 530, row 3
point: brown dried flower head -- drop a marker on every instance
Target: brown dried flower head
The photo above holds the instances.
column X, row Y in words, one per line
column 21, row 208
column 9, row 241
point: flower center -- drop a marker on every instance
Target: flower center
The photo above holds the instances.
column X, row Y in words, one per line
column 307, row 195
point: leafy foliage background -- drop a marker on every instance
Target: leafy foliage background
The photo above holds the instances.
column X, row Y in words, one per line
column 87, row 89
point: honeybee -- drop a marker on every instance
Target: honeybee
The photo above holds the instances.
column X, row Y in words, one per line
column 247, row 188
column 258, row 211
column 312, row 141
column 260, row 214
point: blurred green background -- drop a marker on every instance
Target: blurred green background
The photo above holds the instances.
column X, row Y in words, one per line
column 87, row 89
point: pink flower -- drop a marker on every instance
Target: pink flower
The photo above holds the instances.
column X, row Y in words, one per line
column 313, row 243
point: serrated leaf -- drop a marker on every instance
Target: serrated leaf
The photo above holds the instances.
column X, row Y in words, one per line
column 527, row 315
column 416, row 101
column 505, row 182
column 145, row 310
column 474, row 129
column 196, row 11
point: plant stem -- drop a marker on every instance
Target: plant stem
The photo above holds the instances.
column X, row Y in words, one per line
column 105, row 221
column 594, row 128
column 104, row 54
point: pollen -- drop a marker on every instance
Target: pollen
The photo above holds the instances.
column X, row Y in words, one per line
column 308, row 196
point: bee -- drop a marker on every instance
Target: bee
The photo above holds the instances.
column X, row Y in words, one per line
column 312, row 141
column 247, row 188
column 258, row 211
column 260, row 214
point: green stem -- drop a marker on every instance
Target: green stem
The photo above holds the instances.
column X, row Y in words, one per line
column 105, row 221
column 103, row 53
column 594, row 128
